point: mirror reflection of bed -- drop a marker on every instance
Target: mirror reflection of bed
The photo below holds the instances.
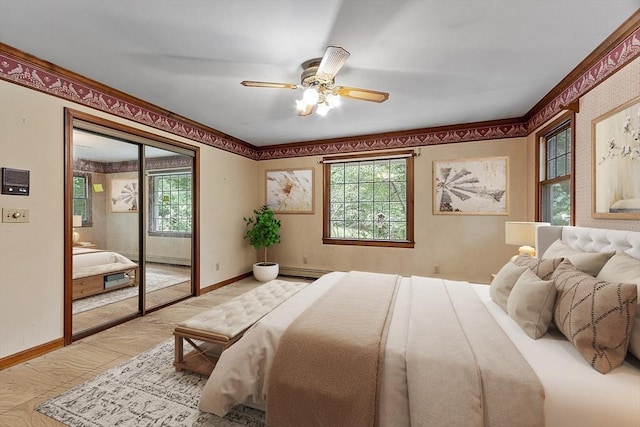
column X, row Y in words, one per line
column 119, row 287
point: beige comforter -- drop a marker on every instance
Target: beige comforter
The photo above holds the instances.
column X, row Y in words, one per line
column 462, row 370
column 431, row 374
column 327, row 363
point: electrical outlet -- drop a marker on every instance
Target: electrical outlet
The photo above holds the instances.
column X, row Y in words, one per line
column 304, row 259
column 217, row 266
column 436, row 269
column 15, row 215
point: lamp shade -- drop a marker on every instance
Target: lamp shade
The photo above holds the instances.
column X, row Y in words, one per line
column 77, row 220
column 523, row 234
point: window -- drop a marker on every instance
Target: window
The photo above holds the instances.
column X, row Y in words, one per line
column 170, row 203
column 82, row 197
column 556, row 166
column 369, row 200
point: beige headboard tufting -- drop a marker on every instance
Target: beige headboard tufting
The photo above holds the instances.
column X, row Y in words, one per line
column 589, row 239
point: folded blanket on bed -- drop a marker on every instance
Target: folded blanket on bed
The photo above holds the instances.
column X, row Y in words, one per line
column 462, row 370
column 326, row 366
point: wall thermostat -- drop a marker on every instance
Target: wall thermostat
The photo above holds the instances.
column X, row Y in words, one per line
column 15, row 182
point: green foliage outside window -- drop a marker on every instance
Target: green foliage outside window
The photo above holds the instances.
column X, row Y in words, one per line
column 368, row 200
column 82, row 196
column 171, row 203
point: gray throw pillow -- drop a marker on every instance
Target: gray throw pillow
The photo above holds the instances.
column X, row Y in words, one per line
column 502, row 284
column 531, row 304
column 588, row 262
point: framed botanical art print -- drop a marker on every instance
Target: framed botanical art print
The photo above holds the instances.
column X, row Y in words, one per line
column 290, row 190
column 616, row 163
column 471, row 186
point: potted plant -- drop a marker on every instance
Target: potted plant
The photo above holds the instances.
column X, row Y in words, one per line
column 263, row 230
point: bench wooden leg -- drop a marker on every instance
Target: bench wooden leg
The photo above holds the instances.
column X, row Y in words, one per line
column 179, row 357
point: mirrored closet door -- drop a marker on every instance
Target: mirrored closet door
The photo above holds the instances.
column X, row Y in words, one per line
column 168, row 220
column 106, row 218
column 132, row 204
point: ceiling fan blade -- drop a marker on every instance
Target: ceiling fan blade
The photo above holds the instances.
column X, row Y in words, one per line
column 362, row 94
column 251, row 83
column 332, row 61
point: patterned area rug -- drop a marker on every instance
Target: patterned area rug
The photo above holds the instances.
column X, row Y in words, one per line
column 144, row 391
column 156, row 279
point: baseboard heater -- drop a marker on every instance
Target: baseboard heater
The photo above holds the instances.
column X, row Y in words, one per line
column 302, row 272
column 116, row 279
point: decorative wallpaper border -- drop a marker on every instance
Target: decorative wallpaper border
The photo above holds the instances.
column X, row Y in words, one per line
column 171, row 162
column 627, row 50
column 27, row 73
column 406, row 140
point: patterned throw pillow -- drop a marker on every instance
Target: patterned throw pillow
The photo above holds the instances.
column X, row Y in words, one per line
column 596, row 316
column 543, row 268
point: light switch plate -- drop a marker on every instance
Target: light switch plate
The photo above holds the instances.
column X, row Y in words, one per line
column 15, row 215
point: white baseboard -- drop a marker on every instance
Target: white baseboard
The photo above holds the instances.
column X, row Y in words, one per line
column 302, row 272
column 161, row 259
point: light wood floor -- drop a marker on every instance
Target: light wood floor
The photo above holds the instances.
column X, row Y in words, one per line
column 23, row 387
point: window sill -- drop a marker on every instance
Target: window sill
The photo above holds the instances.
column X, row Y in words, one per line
column 377, row 243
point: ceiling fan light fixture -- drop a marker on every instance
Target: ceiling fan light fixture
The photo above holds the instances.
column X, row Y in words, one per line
column 322, row 109
column 311, row 96
column 333, row 100
column 301, row 105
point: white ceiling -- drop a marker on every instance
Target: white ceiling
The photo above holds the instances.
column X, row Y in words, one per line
column 98, row 148
column 442, row 61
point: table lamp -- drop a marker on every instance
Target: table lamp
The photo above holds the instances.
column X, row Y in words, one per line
column 523, row 234
column 77, row 222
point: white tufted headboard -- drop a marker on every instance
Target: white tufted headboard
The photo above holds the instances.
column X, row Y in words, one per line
column 589, row 239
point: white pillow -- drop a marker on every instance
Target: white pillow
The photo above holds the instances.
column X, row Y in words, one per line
column 622, row 268
column 587, row 262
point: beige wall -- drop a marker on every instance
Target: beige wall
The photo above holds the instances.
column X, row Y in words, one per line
column 465, row 247
column 613, row 92
column 31, row 255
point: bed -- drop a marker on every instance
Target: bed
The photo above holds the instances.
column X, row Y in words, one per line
column 573, row 392
column 96, row 271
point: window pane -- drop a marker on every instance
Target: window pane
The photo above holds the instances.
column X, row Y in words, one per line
column 337, row 211
column 370, row 197
column 351, row 173
column 551, row 169
column 351, row 192
column 560, row 169
column 382, row 170
column 551, row 148
column 351, row 230
column 561, row 144
column 171, row 203
column 557, row 203
column 366, row 172
column 337, row 174
column 337, row 229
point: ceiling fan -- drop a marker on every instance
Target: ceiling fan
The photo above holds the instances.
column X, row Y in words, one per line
column 318, row 77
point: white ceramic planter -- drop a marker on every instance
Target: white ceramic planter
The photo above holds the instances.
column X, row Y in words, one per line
column 264, row 273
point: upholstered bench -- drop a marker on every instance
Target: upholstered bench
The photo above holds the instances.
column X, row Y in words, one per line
column 213, row 331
